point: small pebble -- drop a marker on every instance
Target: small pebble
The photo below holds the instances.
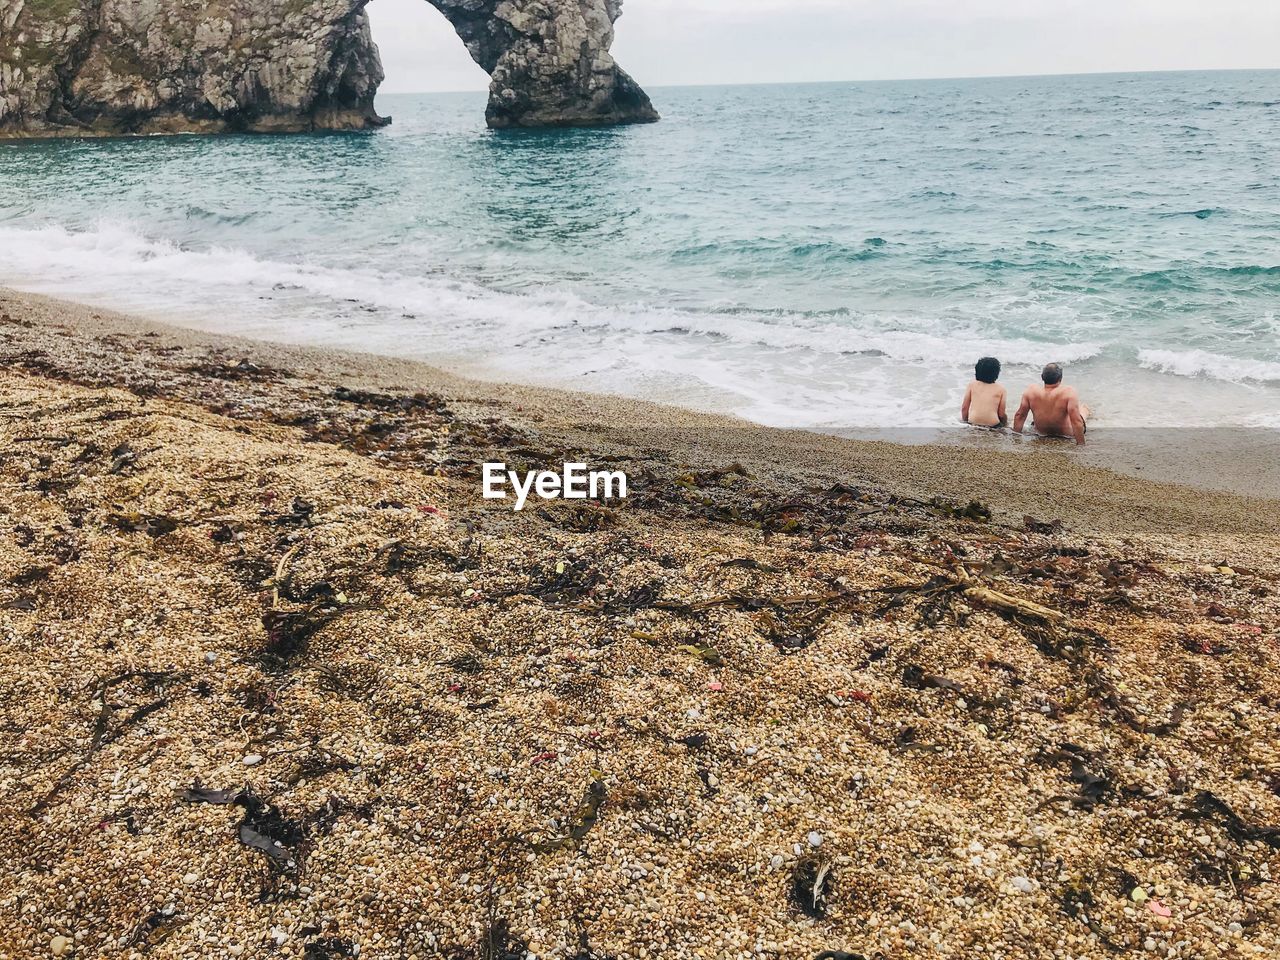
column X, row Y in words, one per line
column 815, row 839
column 59, row 945
column 1023, row 884
column 252, row 760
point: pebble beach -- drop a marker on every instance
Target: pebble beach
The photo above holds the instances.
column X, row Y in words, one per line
column 277, row 682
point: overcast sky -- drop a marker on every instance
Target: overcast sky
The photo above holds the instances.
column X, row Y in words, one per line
column 663, row 42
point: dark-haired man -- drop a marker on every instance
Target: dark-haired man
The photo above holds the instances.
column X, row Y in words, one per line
column 984, row 401
column 1055, row 408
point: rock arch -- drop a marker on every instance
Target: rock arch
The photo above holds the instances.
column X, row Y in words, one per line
column 549, row 61
column 108, row 67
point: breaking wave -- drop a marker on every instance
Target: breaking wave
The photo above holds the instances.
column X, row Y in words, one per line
column 1202, row 363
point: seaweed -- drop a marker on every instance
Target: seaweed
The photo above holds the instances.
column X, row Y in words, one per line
column 791, row 630
column 580, row 824
column 289, row 631
column 907, row 739
column 1094, row 787
column 1076, row 900
column 330, row 948
column 155, row 928
column 104, row 732
column 1208, row 806
column 152, row 526
column 914, row 676
column 413, row 403
column 198, row 794
column 811, row 881
column 704, row 652
column 241, row 370
column 262, row 828
column 499, row 943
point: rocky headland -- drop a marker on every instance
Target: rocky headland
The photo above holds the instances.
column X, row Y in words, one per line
column 118, row 67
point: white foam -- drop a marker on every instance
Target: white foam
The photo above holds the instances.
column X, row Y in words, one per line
column 1202, row 363
column 117, row 261
column 847, row 370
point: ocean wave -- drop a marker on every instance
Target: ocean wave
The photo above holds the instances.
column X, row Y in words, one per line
column 1195, row 279
column 121, row 263
column 1202, row 214
column 158, row 275
column 195, row 212
column 1215, row 366
column 872, row 338
column 782, row 252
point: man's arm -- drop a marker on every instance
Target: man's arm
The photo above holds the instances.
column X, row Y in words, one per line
column 1076, row 416
column 964, row 407
column 1020, row 418
column 1002, row 413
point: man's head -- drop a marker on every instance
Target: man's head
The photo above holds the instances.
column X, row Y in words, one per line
column 1051, row 375
column 987, row 370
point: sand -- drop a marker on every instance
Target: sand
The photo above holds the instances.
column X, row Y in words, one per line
column 277, row 682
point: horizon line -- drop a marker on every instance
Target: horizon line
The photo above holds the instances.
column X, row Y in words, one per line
column 944, row 79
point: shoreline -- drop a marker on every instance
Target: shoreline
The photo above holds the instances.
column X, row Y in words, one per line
column 270, row 663
column 1215, row 481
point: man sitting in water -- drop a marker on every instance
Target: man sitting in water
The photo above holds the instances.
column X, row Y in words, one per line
column 984, row 400
column 1056, row 409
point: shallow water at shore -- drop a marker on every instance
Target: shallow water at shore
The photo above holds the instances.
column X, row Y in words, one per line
column 831, row 256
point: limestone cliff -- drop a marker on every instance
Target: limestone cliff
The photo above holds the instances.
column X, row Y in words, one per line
column 549, row 60
column 102, row 67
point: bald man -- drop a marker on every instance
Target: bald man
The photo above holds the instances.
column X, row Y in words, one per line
column 1054, row 407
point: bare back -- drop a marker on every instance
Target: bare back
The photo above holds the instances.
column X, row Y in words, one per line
column 1056, row 411
column 984, row 405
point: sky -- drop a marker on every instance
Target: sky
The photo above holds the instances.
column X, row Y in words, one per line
column 674, row 42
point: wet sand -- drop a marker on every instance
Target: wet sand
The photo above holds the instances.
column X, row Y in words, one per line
column 1145, row 482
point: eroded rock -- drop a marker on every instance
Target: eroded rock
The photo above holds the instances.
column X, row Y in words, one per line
column 107, row 67
column 549, row 61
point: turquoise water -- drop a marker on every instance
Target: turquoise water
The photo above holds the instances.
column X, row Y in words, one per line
column 829, row 255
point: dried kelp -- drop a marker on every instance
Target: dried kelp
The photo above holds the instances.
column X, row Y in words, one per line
column 811, row 880
column 106, row 732
column 1095, row 786
column 138, row 523
column 1208, row 806
column 580, row 823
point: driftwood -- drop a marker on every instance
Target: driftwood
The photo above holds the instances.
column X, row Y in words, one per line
column 1005, row 603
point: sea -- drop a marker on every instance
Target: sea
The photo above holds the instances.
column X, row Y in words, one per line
column 833, row 256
